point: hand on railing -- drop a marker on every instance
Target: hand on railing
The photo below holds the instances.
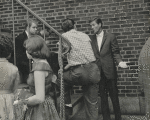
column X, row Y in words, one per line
column 45, row 32
column 66, row 46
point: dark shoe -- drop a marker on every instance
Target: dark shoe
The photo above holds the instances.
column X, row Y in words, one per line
column 68, row 112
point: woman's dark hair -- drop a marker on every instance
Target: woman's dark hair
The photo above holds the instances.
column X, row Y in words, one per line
column 36, row 47
column 67, row 24
column 6, row 46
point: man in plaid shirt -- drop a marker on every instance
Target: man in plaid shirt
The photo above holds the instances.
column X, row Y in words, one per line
column 81, row 69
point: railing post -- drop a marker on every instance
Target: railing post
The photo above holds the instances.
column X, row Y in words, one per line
column 30, row 64
column 44, row 30
column 62, row 104
column 0, row 26
column 14, row 32
column 27, row 15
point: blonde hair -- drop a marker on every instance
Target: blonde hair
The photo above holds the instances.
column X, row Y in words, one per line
column 29, row 23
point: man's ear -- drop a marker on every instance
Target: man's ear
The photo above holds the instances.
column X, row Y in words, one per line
column 27, row 28
column 100, row 25
column 75, row 27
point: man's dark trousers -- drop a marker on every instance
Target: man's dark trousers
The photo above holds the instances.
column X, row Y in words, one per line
column 105, row 86
column 87, row 75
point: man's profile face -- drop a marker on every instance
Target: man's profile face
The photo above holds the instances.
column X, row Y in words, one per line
column 33, row 29
column 96, row 27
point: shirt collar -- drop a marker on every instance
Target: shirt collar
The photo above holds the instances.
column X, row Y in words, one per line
column 72, row 30
column 3, row 60
column 101, row 34
column 27, row 33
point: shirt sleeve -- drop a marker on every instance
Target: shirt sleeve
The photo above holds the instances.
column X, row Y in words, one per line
column 64, row 44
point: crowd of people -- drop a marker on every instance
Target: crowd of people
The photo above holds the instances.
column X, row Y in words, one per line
column 91, row 64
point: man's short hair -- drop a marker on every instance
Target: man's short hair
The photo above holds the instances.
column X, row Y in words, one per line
column 67, row 24
column 36, row 47
column 29, row 23
column 97, row 20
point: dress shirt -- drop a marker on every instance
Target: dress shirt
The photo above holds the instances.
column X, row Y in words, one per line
column 27, row 33
column 99, row 39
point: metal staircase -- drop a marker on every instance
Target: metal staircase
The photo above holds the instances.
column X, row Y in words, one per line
column 60, row 52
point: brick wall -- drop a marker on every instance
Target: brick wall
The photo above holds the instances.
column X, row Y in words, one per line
column 128, row 19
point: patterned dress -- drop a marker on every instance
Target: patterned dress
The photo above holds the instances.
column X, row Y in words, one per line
column 9, row 79
column 45, row 110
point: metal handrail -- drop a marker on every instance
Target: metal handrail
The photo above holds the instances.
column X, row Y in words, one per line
column 13, row 32
column 45, row 23
column 62, row 105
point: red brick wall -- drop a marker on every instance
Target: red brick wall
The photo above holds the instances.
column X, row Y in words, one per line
column 128, row 19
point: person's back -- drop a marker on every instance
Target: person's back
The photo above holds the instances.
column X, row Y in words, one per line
column 81, row 52
column 8, row 74
column 81, row 70
column 9, row 80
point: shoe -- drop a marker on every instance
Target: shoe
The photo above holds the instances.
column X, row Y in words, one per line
column 68, row 112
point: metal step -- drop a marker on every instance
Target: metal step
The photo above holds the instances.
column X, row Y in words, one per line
column 124, row 117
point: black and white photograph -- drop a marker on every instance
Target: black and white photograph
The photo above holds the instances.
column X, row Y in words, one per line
column 74, row 59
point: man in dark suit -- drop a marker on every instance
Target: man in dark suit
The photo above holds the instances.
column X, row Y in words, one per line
column 22, row 62
column 106, row 50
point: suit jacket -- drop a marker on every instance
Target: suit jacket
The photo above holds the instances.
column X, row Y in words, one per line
column 108, row 54
column 22, row 61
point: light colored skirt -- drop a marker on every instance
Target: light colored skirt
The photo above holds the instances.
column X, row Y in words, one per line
column 6, row 107
column 43, row 111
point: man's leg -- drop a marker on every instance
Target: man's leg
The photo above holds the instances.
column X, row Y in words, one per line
column 113, row 92
column 79, row 75
column 90, row 93
column 104, row 97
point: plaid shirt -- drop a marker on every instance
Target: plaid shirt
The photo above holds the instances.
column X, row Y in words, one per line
column 81, row 50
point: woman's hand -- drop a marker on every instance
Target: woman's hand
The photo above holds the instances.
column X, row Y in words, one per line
column 16, row 102
column 22, row 101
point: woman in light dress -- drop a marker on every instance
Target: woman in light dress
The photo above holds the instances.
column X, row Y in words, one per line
column 9, row 79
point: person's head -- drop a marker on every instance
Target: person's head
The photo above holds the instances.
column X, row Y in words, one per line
column 6, row 46
column 36, row 47
column 96, row 25
column 31, row 26
column 67, row 25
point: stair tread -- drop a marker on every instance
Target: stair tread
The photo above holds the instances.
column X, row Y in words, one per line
column 124, row 117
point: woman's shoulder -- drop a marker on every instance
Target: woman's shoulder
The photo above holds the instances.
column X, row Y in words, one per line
column 41, row 66
column 13, row 67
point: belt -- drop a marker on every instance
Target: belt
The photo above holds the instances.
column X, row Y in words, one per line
column 5, row 91
column 83, row 64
